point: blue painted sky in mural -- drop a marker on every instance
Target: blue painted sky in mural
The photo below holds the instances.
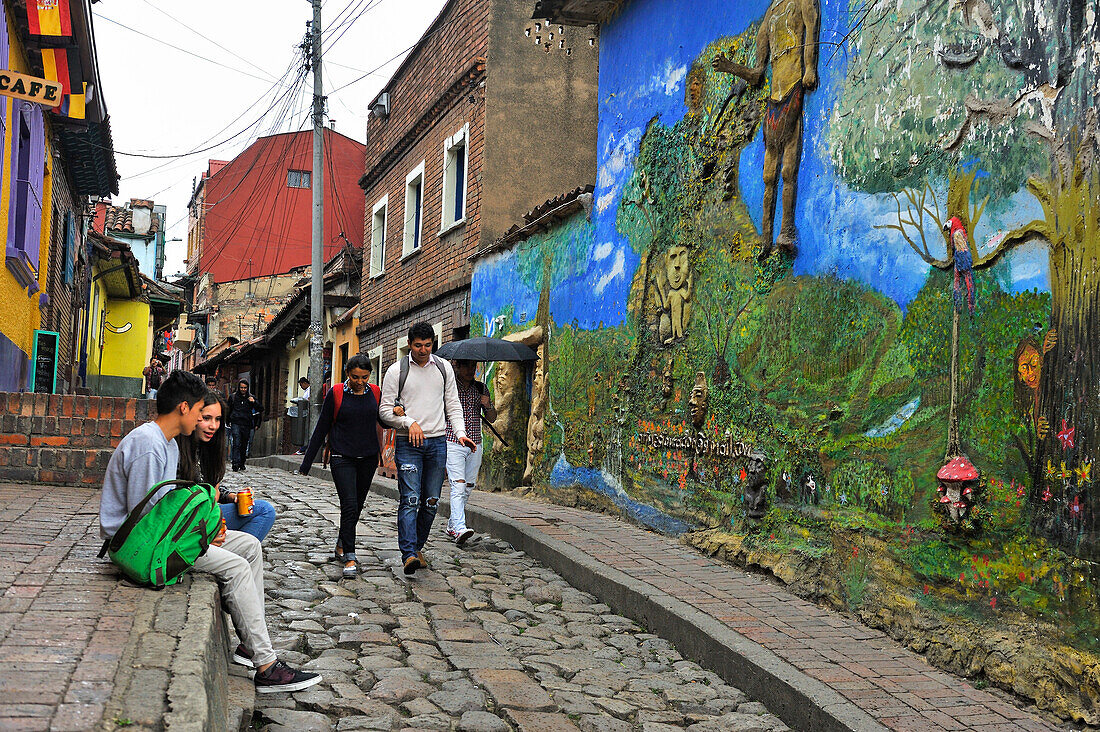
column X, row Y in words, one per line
column 644, row 57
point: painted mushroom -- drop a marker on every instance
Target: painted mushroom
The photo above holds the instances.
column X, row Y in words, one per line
column 957, row 481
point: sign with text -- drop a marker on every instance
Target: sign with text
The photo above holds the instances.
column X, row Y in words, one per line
column 44, row 362
column 30, row 88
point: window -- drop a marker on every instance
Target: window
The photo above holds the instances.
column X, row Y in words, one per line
column 378, row 237
column 298, row 178
column 455, row 159
column 414, row 209
column 374, row 355
column 344, row 347
column 28, row 164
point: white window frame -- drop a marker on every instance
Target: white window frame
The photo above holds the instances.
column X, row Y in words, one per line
column 462, row 137
column 374, row 355
column 378, row 240
column 414, row 213
column 403, row 341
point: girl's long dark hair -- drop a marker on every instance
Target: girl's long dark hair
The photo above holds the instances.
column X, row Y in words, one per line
column 204, row 462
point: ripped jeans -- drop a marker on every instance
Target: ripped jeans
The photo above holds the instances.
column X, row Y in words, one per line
column 420, row 473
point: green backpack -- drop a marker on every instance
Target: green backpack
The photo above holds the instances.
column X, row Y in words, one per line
column 157, row 548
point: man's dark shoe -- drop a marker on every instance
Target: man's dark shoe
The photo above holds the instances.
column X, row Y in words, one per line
column 412, row 564
column 243, row 656
column 351, row 568
column 280, row 677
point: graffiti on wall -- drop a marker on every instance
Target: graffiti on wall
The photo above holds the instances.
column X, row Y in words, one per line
column 853, row 280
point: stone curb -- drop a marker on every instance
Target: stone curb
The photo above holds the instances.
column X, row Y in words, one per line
column 199, row 674
column 174, row 671
column 801, row 701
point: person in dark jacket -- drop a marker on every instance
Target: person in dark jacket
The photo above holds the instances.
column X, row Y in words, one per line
column 243, row 407
column 355, row 438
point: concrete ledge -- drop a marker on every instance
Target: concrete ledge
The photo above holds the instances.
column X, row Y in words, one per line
column 801, row 701
column 174, row 672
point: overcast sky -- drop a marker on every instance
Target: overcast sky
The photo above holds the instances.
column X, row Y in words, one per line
column 167, row 101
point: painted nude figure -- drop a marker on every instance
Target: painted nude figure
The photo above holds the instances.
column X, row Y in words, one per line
column 788, row 37
column 674, row 283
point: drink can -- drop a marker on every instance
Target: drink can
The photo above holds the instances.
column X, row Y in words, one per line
column 244, row 502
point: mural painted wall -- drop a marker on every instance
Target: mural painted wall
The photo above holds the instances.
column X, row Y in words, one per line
column 841, row 272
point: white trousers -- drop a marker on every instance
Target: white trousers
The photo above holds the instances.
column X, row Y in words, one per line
column 238, row 565
column 463, row 465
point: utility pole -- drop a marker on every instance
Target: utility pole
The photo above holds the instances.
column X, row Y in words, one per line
column 317, row 290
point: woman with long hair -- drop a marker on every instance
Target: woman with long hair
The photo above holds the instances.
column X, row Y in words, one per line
column 349, row 418
column 202, row 460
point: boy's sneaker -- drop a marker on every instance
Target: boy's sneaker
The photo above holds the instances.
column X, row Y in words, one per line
column 452, row 534
column 280, row 677
column 243, row 656
column 412, row 564
column 464, row 536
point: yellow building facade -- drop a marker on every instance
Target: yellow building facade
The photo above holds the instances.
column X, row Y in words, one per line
column 23, row 279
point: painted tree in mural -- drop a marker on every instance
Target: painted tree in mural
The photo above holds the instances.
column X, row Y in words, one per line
column 924, row 105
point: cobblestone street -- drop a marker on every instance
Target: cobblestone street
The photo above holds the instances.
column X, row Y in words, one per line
column 486, row 640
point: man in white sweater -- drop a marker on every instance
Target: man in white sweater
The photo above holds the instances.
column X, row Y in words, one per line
column 419, row 398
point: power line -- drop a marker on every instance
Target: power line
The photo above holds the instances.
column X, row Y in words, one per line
column 181, row 50
column 206, row 38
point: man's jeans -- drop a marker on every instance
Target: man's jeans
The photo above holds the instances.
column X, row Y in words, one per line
column 463, row 465
column 242, row 434
column 419, row 479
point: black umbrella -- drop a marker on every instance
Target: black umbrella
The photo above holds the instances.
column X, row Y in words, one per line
column 486, row 349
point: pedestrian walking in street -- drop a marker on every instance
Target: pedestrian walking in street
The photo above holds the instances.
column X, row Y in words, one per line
column 202, row 460
column 149, row 455
column 303, row 384
column 154, row 375
column 349, row 419
column 419, row 398
column 243, row 406
column 463, row 462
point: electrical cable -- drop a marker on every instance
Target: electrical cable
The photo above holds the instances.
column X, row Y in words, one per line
column 201, row 35
column 181, row 50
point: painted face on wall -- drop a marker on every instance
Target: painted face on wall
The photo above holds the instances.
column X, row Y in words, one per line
column 695, row 91
column 677, row 267
column 1029, row 367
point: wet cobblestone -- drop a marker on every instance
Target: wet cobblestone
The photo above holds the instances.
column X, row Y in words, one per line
column 486, row 640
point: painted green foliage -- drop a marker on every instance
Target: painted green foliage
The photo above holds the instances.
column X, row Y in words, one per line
column 822, row 374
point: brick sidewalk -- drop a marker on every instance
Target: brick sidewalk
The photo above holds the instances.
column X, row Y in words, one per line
column 894, row 685
column 64, row 618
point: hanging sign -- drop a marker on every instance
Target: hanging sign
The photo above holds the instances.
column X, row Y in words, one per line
column 30, row 88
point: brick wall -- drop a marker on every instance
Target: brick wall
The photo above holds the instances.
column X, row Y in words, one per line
column 64, row 439
column 441, row 264
column 453, row 311
column 459, row 34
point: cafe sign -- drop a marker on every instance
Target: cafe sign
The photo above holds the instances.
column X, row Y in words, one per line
column 30, row 88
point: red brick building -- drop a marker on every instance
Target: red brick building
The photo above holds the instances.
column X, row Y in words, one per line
column 484, row 120
column 256, row 209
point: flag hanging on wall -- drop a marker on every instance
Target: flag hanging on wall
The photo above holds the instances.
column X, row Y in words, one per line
column 72, row 105
column 49, row 18
column 63, row 65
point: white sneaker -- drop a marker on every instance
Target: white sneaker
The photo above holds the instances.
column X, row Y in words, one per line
column 452, row 534
column 464, row 536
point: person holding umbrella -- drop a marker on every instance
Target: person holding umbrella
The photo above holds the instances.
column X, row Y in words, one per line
column 463, row 463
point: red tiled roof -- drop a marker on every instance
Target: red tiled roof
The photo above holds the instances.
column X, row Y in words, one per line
column 121, row 220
